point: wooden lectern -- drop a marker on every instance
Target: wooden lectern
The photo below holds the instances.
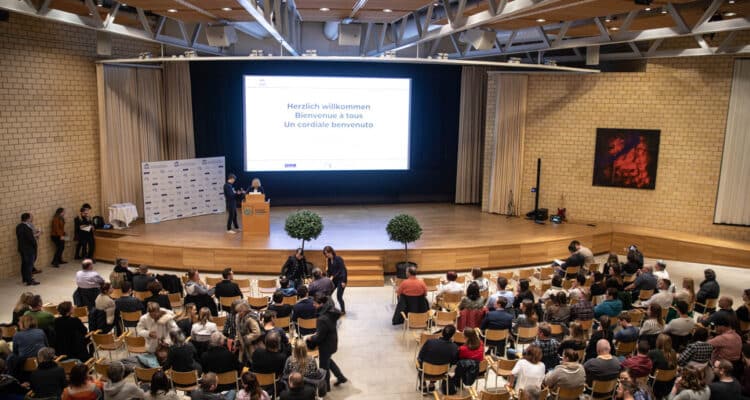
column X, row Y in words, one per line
column 256, row 212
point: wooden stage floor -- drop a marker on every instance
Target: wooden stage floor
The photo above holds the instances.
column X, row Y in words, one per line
column 454, row 237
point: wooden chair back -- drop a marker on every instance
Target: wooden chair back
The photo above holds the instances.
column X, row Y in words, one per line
column 461, row 278
column 265, row 380
column 459, row 338
column 496, row 335
column 116, row 294
column 257, row 303
column 571, row 272
column 8, row 331
column 645, row 294
column 185, row 381
column 443, row 318
column 220, row 321
column 291, row 300
column 226, row 302
column 130, row 318
column 485, row 294
column 431, row 283
column 283, row 322
column 494, row 395
column 569, row 393
column 451, row 300
column 175, row 300
column 527, row 333
column 418, row 320
column 144, row 375
column 212, row 281
column 265, row 285
column 628, row 278
column 556, row 330
column 602, row 387
column 636, row 316
column 664, row 375
column 142, row 295
column 101, row 368
column 30, row 365
column 67, row 365
column 425, row 336
column 307, row 323
column 567, row 284
column 228, row 378
column 625, row 348
column 586, row 324
column 50, row 308
column 593, row 267
column 508, row 274
column 135, row 344
column 81, row 313
column 545, row 273
column 504, row 367
column 434, row 369
column 244, row 284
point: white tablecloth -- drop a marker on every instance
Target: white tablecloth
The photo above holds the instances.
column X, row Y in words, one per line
column 121, row 215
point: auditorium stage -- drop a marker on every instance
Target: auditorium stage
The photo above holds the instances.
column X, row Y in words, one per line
column 455, row 237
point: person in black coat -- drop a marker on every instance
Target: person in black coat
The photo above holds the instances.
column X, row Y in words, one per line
column 281, row 310
column 230, row 196
column 337, row 272
column 297, row 389
column 217, row 358
column 182, row 355
column 84, row 233
column 162, row 299
column 305, row 308
column 295, row 268
column 227, row 288
column 71, row 338
column 709, row 289
column 326, row 338
column 27, row 247
column 49, row 378
column 269, row 359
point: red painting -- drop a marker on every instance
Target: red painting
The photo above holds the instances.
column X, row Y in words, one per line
column 626, row 158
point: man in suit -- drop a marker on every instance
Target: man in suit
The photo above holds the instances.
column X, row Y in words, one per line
column 227, row 288
column 304, row 309
column 230, row 196
column 27, row 247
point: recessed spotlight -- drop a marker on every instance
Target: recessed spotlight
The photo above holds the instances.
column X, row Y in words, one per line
column 325, row 9
column 387, row 10
column 647, row 9
column 608, row 20
column 171, row 10
column 730, row 14
column 664, row 11
column 436, row 4
column 614, row 28
column 731, row 1
column 226, row 9
column 123, row 4
column 540, row 20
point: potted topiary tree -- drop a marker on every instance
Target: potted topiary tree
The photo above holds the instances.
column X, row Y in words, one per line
column 304, row 225
column 404, row 229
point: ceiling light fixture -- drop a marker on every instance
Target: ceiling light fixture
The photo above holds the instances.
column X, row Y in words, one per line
column 540, row 20
column 226, row 9
column 731, row 1
column 647, row 8
column 664, row 11
column 730, row 14
column 387, row 10
column 614, row 28
column 172, row 10
column 608, row 19
column 325, row 9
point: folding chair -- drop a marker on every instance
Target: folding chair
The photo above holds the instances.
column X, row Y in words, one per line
column 129, row 319
column 142, row 295
column 459, row 338
column 432, row 284
column 601, row 390
column 422, row 339
column 226, row 302
column 416, row 321
column 245, row 285
column 501, row 367
column 184, row 381
column 306, row 323
column 267, row 285
column 135, row 344
column 526, row 335
column 228, row 378
column 283, row 322
column 625, row 348
column 175, row 300
column 212, row 281
column 291, row 300
column 267, row 380
column 444, row 318
column 81, row 313
column 7, row 332
column 106, row 341
column 450, row 301
column 50, row 308
column 257, row 303
column 116, row 294
column 568, row 393
column 432, row 372
column 663, row 376
column 144, row 375
column 220, row 321
column 644, row 295
column 101, row 367
column 496, row 335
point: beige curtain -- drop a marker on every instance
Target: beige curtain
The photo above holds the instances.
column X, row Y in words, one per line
column 505, row 154
column 733, row 199
column 133, row 127
column 471, row 135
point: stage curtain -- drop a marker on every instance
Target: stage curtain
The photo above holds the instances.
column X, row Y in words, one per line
column 733, row 199
column 505, row 153
column 471, row 135
column 178, row 104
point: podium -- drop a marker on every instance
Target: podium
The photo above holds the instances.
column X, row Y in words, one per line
column 256, row 213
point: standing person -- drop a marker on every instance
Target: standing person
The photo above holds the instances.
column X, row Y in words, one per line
column 27, row 247
column 57, row 233
column 256, row 187
column 84, row 233
column 89, row 283
column 337, row 273
column 326, row 339
column 295, row 268
column 230, row 196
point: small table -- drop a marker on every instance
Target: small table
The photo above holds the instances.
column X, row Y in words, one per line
column 121, row 215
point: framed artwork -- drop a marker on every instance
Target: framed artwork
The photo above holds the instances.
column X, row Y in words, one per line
column 626, row 158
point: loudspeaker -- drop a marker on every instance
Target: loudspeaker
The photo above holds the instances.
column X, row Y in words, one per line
column 481, row 40
column 103, row 44
column 221, row 36
column 350, row 34
column 592, row 55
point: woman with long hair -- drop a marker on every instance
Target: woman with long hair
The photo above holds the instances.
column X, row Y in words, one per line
column 202, row 330
column 56, row 234
column 612, row 261
column 478, row 277
column 301, row 362
column 186, row 318
column 602, row 332
column 22, row 305
column 161, row 388
column 690, row 386
column 529, row 370
column 526, row 316
column 473, row 299
column 654, row 324
column 250, row 388
column 665, row 358
column 523, row 292
column 687, row 293
column 473, row 348
column 575, row 340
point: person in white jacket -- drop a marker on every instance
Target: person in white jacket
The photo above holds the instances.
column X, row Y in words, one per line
column 155, row 326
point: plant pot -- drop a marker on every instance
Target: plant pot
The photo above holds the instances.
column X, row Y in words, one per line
column 402, row 267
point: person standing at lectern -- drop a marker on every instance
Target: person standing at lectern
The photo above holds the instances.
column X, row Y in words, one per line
column 255, row 187
column 230, row 196
column 337, row 273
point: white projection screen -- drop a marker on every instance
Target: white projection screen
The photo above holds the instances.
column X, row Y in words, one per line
column 296, row 123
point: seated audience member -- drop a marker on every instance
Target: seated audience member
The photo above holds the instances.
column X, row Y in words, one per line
column 645, row 281
column 286, row 289
column 588, row 255
column 634, row 260
column 478, row 276
column 44, row 320
column 22, row 305
column 295, row 269
column 322, row 284
column 568, row 375
column 745, row 380
column 49, row 378
column 473, row 299
column 448, row 286
column 304, row 308
column 682, row 325
column 198, row 293
column 559, row 311
column 301, row 362
column 182, row 355
column 654, row 324
column 208, row 389
column 611, row 306
column 638, row 389
column 627, row 333
column 82, row 386
column 27, row 342
column 498, row 317
column 576, row 339
column 523, row 292
column 743, row 311
column 116, row 388
column 269, row 359
column 73, row 342
column 282, row 310
column 708, row 289
column 660, row 271
column 725, row 311
column 218, row 359
column 725, row 386
column 10, row 387
column 549, row 346
column 690, row 386
column 664, row 297
column 269, row 325
column 473, row 348
column 439, row 351
column 697, row 354
column 526, row 316
column 615, row 279
column 227, row 287
column 155, row 326
column 105, row 303
column 127, row 302
column 582, row 310
column 188, row 317
column 250, row 388
column 162, row 300
column 142, row 278
column 297, row 389
column 121, row 273
column 88, row 282
column 502, row 283
column 161, row 388
column 612, row 260
column 605, row 366
column 665, row 358
column 603, row 332
column 640, row 364
column 598, row 287
column 529, row 370
column 578, row 287
column 202, row 329
column 727, row 344
column 575, row 259
column 412, row 286
column 555, row 288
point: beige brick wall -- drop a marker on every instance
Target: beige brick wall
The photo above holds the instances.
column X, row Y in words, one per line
column 686, row 98
column 49, row 143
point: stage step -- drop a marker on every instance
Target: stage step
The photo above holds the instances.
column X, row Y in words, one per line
column 366, row 280
column 364, row 270
column 355, row 261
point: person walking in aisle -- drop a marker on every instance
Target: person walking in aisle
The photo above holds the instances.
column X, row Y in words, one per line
column 57, row 234
column 337, row 272
column 230, row 196
column 27, row 247
column 326, row 338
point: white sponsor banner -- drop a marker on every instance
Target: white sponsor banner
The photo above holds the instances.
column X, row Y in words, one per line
column 183, row 188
